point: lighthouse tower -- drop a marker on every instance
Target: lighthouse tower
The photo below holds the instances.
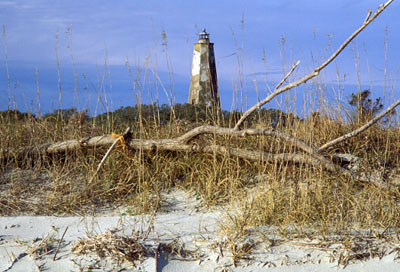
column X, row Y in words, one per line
column 204, row 83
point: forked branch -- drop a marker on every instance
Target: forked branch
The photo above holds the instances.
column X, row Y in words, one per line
column 316, row 72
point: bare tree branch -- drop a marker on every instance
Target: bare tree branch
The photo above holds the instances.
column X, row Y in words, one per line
column 287, row 75
column 316, row 72
column 275, row 93
column 360, row 129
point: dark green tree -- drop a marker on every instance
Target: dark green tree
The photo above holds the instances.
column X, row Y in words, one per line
column 365, row 107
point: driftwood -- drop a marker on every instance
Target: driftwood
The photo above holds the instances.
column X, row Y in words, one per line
column 183, row 144
column 311, row 156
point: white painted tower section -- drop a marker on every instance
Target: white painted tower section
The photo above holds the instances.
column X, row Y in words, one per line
column 203, row 82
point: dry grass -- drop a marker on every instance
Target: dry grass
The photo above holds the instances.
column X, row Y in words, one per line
column 279, row 194
column 109, row 244
column 130, row 249
column 42, row 247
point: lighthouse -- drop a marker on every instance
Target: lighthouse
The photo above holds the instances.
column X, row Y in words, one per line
column 203, row 82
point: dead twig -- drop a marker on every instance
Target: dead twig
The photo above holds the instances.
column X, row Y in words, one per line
column 15, row 260
column 124, row 136
column 59, row 244
column 287, row 75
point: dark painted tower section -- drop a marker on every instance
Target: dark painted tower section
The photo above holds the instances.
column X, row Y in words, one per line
column 204, row 82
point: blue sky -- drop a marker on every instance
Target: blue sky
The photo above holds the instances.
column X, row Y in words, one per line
column 101, row 35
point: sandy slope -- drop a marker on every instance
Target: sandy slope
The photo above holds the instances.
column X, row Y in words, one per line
column 180, row 223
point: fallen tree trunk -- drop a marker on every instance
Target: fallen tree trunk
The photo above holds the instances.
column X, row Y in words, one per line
column 312, row 155
column 174, row 144
column 182, row 144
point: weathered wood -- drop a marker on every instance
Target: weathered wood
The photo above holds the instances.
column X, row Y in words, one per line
column 278, row 90
column 182, row 144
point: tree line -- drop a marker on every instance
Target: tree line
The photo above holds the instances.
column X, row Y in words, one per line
column 363, row 108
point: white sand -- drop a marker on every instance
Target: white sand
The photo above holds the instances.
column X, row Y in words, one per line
column 196, row 230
